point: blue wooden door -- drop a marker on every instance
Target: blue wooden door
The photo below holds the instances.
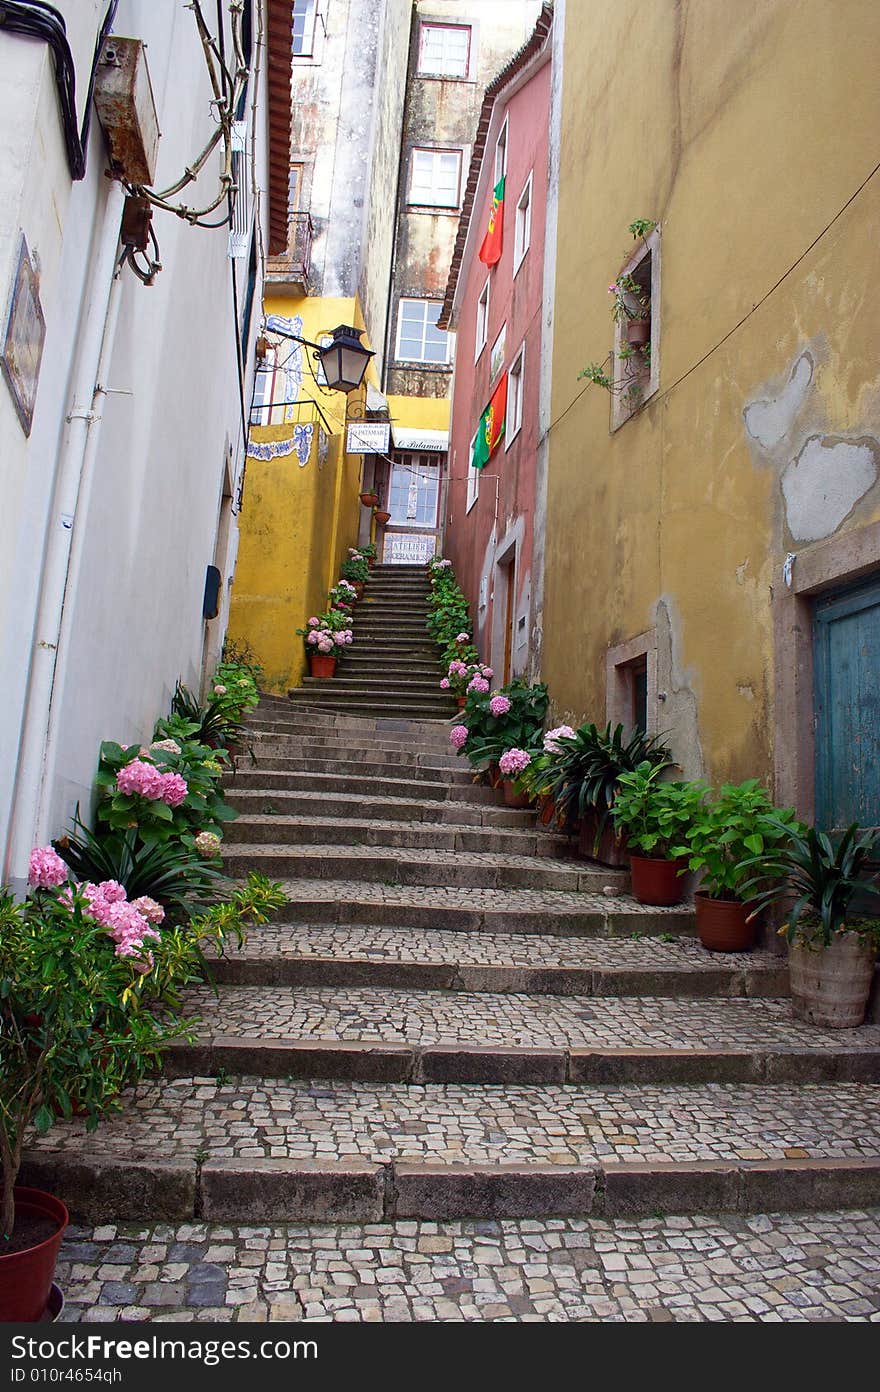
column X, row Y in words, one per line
column 847, row 697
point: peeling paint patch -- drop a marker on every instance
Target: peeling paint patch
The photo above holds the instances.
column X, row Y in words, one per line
column 824, row 483
column 768, row 421
column 746, row 690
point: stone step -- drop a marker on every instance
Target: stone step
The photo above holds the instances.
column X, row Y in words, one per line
column 368, row 705
column 229, row 1149
column 259, row 826
column 367, row 666
column 362, row 763
column 441, row 790
column 405, row 729
column 382, row 808
column 269, row 855
column 557, row 912
column 303, row 746
column 394, row 1035
column 438, row 960
column 402, row 686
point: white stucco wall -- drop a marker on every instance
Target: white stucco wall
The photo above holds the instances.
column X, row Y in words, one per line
column 171, row 415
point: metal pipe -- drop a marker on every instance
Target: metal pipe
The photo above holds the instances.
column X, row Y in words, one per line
column 64, row 543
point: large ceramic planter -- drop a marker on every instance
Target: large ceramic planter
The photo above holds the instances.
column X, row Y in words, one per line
column 830, row 986
column 655, row 881
column 722, row 925
column 511, row 797
column 321, row 665
column 612, row 849
column 26, row 1277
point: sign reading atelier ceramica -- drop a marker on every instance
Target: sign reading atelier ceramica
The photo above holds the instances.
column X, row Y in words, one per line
column 368, row 437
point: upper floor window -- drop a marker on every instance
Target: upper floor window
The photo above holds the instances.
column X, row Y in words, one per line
column 473, row 478
column 513, row 423
column 418, row 338
column 522, row 227
column 444, row 50
column 268, row 383
column 304, row 27
column 501, row 154
column 482, row 333
column 435, row 178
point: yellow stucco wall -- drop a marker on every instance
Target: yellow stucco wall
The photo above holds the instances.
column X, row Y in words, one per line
column 420, row 412
column 297, row 522
column 743, row 130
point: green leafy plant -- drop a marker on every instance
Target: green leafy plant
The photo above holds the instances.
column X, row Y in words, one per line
column 655, row 814
column 728, row 831
column 584, row 772
column 520, row 727
column 177, row 877
column 213, row 724
column 355, row 569
column 369, row 551
column 817, row 877
column 641, row 227
column 202, row 810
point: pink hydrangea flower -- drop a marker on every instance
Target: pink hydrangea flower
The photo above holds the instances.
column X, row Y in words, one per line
column 312, row 622
column 168, row 746
column 479, row 684
column 112, row 891
column 463, row 638
column 149, row 909
column 550, row 738
column 141, row 778
column 207, row 843
column 46, row 869
column 499, row 705
column 220, row 690
column 513, row 761
column 458, row 736
column 487, row 672
column 99, row 907
column 456, row 668
column 174, row 789
column 444, row 684
column 312, row 637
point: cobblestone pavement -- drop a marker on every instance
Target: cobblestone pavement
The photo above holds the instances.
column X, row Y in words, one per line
column 386, row 1015
column 475, row 900
column 252, row 1117
column 817, row 1266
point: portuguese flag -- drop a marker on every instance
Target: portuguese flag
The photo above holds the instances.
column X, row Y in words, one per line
column 491, row 426
column 490, row 251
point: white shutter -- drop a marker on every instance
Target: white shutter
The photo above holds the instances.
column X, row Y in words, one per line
column 240, row 232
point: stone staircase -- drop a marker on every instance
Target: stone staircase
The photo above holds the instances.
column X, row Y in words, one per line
column 392, row 667
column 453, row 1016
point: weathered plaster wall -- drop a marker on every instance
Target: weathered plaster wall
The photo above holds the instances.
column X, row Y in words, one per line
column 503, row 515
column 763, row 435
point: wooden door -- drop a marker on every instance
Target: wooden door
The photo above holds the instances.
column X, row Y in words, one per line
column 847, row 704
column 508, row 620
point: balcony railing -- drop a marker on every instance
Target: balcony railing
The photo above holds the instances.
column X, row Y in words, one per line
column 289, row 274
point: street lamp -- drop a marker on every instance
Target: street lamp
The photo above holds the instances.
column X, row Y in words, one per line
column 344, row 359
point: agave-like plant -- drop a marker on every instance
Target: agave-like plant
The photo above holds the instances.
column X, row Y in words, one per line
column 817, row 876
column 212, row 723
column 169, row 871
column 584, row 774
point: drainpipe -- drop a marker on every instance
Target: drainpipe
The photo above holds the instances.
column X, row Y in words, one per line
column 64, row 546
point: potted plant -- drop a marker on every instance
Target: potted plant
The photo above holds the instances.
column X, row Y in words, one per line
column 511, row 765
column 655, row 815
column 583, row 778
column 832, row 943
column 511, row 718
column 632, row 309
column 539, row 776
column 356, row 571
column 369, row 498
column 326, row 638
column 725, row 835
column 381, row 516
column 370, row 551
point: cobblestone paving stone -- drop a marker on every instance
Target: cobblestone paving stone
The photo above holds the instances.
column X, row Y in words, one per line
column 416, row 855
column 250, row 1117
column 499, row 949
column 767, row 1267
column 423, row 1017
column 529, row 837
column 512, row 901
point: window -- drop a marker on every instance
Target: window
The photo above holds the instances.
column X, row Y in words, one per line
column 482, row 321
column 303, row 27
column 501, row 153
column 522, row 227
column 414, row 490
column 514, row 397
column 473, row 477
column 637, row 366
column 264, row 390
column 496, row 361
column 444, row 50
column 435, row 178
column 295, row 187
column 631, row 683
column 418, row 338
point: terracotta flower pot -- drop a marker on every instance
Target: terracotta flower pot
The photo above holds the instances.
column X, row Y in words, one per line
column 462, row 702
column 371, row 561
column 830, row 986
column 369, row 499
column 656, row 881
column 359, row 587
column 546, row 810
column 721, row 924
column 26, row 1276
column 382, row 517
column 511, row 797
column 494, row 775
column 638, row 332
column 321, row 665
column 612, row 849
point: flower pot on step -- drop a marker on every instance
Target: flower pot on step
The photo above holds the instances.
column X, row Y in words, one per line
column 494, row 775
column 656, row 881
column 830, row 985
column 546, row 810
column 638, row 332
column 611, row 850
column 26, row 1275
column 462, row 702
column 511, row 797
column 722, row 924
column 321, row 665
column 359, row 588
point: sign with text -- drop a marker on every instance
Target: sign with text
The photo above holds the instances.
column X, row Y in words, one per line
column 368, row 437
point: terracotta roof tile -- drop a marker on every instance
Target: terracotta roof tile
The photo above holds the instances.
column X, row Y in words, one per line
column 279, row 40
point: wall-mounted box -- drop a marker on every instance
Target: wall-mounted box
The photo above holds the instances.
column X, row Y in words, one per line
column 126, row 109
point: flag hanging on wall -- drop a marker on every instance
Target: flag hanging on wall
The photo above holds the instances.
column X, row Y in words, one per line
column 491, row 426
column 490, row 251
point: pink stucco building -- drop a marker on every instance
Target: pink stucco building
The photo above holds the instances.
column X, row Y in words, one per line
column 490, row 514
